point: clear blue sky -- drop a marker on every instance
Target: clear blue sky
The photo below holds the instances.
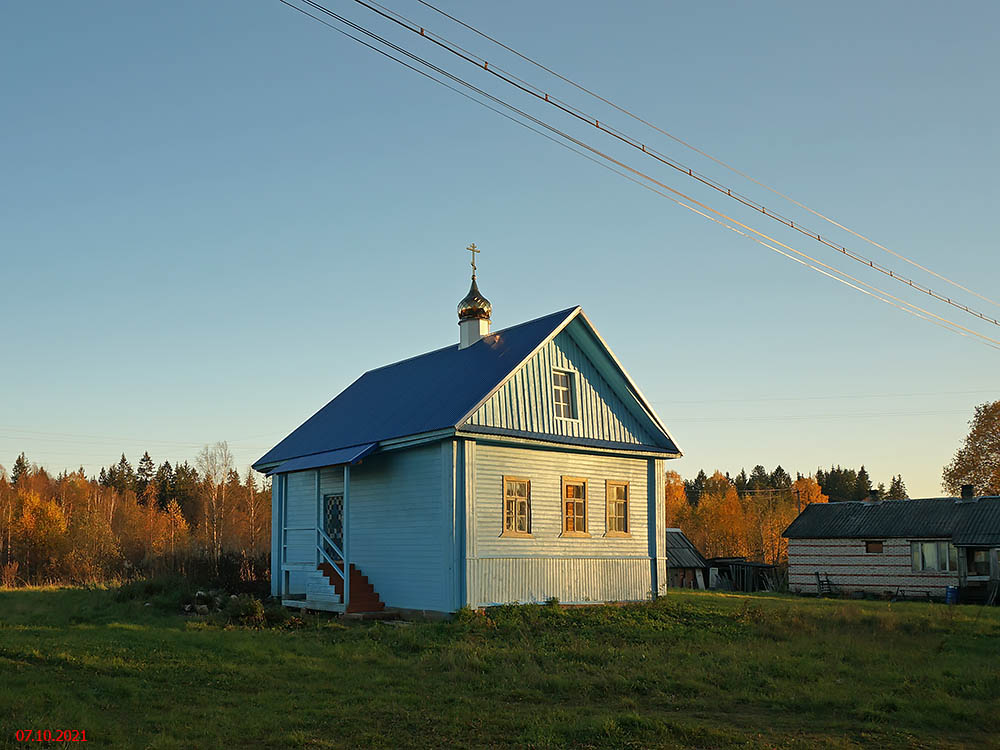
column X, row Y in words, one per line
column 215, row 216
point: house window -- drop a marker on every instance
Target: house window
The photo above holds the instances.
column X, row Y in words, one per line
column 934, row 556
column 873, row 547
column 562, row 394
column 617, row 509
column 574, row 494
column 516, row 507
column 978, row 562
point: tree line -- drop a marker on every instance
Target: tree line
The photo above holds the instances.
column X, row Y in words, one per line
column 745, row 515
column 126, row 522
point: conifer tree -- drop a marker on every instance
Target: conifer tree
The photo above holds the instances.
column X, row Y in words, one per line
column 779, row 479
column 144, row 474
column 164, row 479
column 897, row 490
column 862, row 485
column 741, row 482
column 124, row 476
column 759, row 479
column 694, row 488
column 21, row 468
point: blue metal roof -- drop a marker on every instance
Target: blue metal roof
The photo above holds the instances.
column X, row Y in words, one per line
column 430, row 392
column 328, row 458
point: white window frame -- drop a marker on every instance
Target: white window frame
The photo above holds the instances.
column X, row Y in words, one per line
column 918, row 556
column 514, row 532
column 570, row 389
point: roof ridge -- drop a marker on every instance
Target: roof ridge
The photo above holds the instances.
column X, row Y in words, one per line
column 565, row 312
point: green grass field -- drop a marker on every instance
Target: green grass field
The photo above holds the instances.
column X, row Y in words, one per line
column 691, row 670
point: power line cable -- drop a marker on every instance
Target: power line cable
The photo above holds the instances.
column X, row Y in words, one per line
column 635, row 143
column 830, row 271
column 808, row 417
column 697, row 150
column 756, row 399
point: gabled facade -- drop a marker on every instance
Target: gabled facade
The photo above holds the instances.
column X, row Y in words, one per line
column 515, row 467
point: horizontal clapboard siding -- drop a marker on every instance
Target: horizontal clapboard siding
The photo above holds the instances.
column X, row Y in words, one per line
column 300, row 525
column 301, row 514
column 850, row 568
column 594, row 568
column 571, row 580
column 545, row 468
column 525, row 402
column 395, row 521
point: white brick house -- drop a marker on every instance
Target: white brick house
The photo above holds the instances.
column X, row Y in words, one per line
column 907, row 547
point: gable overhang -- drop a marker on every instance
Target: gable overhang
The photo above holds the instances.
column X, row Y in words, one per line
column 500, row 436
column 639, row 401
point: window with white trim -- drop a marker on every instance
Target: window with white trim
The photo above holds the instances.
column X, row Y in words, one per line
column 617, row 508
column 574, row 502
column 934, row 556
column 516, row 506
column 563, row 397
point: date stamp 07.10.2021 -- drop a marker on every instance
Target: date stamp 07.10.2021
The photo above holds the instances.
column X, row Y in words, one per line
column 51, row 735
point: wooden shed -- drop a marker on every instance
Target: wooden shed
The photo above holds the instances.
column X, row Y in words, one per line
column 686, row 568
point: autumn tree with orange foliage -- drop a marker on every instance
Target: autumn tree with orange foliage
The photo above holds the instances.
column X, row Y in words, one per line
column 742, row 517
column 675, row 500
column 76, row 529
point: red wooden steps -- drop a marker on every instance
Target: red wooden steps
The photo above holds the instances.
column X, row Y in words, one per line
column 364, row 598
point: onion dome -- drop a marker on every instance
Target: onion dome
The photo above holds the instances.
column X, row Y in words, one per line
column 475, row 305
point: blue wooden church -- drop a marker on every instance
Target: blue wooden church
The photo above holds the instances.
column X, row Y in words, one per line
column 515, row 466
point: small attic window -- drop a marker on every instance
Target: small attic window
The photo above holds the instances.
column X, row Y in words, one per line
column 563, row 395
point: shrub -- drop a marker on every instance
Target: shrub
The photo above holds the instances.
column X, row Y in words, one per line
column 8, row 575
column 169, row 592
column 235, row 572
column 246, row 610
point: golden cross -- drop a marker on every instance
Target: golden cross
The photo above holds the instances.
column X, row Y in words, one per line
column 473, row 249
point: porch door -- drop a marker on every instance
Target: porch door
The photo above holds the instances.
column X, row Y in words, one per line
column 333, row 522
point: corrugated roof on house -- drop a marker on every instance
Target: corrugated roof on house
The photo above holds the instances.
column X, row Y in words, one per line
column 930, row 518
column 980, row 526
column 681, row 552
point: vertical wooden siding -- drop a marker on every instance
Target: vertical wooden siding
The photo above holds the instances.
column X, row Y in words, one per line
column 525, row 401
column 850, row 568
column 573, row 580
column 595, row 568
